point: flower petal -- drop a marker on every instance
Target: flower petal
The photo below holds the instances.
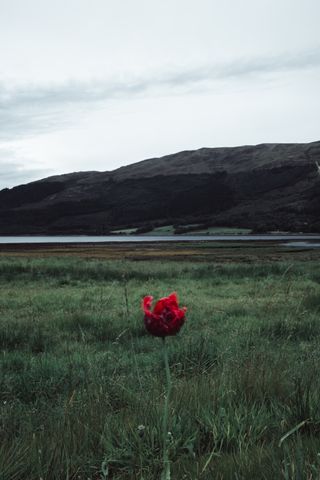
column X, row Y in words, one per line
column 147, row 304
column 166, row 319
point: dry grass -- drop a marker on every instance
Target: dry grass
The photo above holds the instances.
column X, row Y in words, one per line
column 196, row 251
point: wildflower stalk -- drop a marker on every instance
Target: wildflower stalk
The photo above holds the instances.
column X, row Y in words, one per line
column 166, row 463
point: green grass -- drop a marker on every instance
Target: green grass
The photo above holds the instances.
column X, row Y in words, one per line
column 163, row 230
column 79, row 374
column 125, row 231
column 222, row 231
column 169, row 230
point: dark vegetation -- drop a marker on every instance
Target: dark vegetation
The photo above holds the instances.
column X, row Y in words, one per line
column 264, row 188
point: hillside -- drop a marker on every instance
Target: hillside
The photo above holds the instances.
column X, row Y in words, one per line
column 264, row 187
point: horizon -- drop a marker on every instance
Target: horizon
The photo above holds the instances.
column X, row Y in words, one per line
column 156, row 158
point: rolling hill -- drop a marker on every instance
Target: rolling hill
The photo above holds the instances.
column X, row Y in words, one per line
column 264, row 187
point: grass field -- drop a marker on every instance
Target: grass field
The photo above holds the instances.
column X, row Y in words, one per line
column 79, row 374
column 169, row 230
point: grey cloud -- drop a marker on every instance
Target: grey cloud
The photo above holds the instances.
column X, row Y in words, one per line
column 35, row 109
column 13, row 172
column 242, row 68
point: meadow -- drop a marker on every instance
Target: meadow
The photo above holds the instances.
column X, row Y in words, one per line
column 82, row 382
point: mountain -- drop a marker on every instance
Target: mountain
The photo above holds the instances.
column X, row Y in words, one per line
column 264, row 187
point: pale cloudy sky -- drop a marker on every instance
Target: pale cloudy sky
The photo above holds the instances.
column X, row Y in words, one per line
column 96, row 84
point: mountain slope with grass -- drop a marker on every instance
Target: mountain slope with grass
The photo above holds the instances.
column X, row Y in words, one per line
column 264, row 187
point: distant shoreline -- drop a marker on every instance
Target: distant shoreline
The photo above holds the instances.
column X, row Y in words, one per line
column 87, row 239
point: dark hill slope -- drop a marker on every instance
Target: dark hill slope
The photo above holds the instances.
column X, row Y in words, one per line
column 265, row 187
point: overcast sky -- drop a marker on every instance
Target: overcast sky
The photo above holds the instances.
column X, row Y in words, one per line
column 96, row 84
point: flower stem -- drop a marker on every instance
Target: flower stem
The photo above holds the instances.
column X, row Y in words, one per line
column 166, row 463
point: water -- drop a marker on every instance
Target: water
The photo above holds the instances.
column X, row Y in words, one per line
column 298, row 240
column 302, row 244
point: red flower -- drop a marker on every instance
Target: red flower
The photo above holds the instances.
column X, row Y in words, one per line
column 166, row 319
